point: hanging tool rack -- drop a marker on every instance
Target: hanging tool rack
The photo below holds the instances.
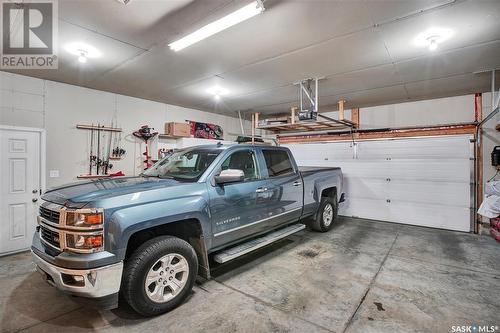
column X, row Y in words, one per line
column 101, row 128
column 99, row 165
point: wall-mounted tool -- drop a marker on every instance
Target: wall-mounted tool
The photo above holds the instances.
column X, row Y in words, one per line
column 146, row 133
column 118, row 151
column 495, row 156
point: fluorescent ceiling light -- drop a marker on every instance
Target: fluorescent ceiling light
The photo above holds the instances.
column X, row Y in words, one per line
column 82, row 49
column 227, row 21
column 432, row 37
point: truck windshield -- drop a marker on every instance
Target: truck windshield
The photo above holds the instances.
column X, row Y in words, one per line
column 186, row 165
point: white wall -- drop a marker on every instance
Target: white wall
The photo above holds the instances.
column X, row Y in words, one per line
column 57, row 107
column 491, row 137
column 450, row 110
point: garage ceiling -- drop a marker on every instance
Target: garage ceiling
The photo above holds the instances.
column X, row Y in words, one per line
column 363, row 49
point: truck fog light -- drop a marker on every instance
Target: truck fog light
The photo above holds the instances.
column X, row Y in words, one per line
column 73, row 280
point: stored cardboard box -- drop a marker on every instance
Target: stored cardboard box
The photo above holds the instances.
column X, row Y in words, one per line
column 178, row 129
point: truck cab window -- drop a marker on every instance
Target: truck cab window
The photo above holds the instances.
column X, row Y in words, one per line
column 277, row 162
column 243, row 160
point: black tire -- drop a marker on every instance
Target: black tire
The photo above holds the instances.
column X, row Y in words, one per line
column 318, row 222
column 138, row 266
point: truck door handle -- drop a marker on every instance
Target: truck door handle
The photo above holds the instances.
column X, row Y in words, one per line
column 261, row 190
column 297, row 183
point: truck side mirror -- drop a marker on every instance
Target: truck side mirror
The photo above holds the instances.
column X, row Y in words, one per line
column 229, row 176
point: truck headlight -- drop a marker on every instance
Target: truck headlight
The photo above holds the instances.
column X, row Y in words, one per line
column 85, row 218
column 84, row 242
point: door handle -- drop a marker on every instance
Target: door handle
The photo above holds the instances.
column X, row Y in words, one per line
column 297, row 183
column 34, row 191
column 34, row 199
column 261, row 190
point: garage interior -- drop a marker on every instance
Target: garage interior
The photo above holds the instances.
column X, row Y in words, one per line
column 403, row 96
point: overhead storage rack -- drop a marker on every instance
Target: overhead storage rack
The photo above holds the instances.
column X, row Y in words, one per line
column 326, row 124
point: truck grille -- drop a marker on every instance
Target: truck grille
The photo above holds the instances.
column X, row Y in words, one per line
column 50, row 215
column 50, row 236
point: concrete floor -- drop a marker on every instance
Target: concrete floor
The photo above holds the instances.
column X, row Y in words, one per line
column 362, row 276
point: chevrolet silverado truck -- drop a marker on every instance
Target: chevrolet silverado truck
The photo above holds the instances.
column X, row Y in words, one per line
column 149, row 237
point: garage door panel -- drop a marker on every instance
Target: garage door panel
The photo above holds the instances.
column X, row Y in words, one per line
column 365, row 208
column 430, row 192
column 365, row 188
column 442, row 170
column 376, row 169
column 436, row 216
column 437, row 148
column 324, row 151
column 410, row 191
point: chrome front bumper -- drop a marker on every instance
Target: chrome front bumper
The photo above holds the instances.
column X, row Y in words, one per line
column 91, row 283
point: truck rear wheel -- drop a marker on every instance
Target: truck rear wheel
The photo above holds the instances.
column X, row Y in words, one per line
column 326, row 215
column 159, row 275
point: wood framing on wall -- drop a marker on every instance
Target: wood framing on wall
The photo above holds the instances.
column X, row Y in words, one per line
column 452, row 129
column 478, row 154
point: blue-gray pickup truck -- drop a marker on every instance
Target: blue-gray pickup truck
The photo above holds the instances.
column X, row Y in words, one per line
column 149, row 237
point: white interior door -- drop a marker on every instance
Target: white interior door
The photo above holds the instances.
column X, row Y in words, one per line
column 421, row 181
column 19, row 188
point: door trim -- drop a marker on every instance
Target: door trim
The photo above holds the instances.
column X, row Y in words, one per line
column 256, row 222
column 43, row 149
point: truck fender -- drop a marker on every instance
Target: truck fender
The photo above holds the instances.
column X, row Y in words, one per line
column 123, row 223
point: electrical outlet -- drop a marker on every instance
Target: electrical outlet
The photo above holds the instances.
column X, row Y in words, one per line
column 54, row 173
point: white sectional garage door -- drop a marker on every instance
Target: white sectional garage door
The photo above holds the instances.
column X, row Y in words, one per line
column 420, row 181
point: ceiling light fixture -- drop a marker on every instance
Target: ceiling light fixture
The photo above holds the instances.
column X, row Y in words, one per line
column 218, row 92
column 432, row 43
column 82, row 57
column 83, row 51
column 240, row 15
column 432, row 37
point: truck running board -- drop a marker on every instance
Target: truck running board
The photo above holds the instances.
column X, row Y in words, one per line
column 254, row 244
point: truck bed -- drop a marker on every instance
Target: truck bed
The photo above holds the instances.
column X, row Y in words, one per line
column 305, row 170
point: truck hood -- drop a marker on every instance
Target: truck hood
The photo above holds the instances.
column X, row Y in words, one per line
column 84, row 192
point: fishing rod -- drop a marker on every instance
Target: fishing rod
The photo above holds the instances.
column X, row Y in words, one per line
column 91, row 149
column 106, row 164
column 98, row 158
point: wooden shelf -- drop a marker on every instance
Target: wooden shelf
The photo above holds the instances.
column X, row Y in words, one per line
column 100, row 128
column 171, row 137
column 304, row 126
column 92, row 176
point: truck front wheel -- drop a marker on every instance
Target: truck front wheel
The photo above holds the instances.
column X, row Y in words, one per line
column 326, row 215
column 159, row 275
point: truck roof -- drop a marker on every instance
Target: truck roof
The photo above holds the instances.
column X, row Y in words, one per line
column 227, row 146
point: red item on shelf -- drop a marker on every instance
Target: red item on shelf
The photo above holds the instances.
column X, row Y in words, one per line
column 495, row 223
column 117, row 174
column 495, row 233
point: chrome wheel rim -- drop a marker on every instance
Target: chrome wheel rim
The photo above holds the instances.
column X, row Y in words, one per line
column 166, row 278
column 327, row 214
